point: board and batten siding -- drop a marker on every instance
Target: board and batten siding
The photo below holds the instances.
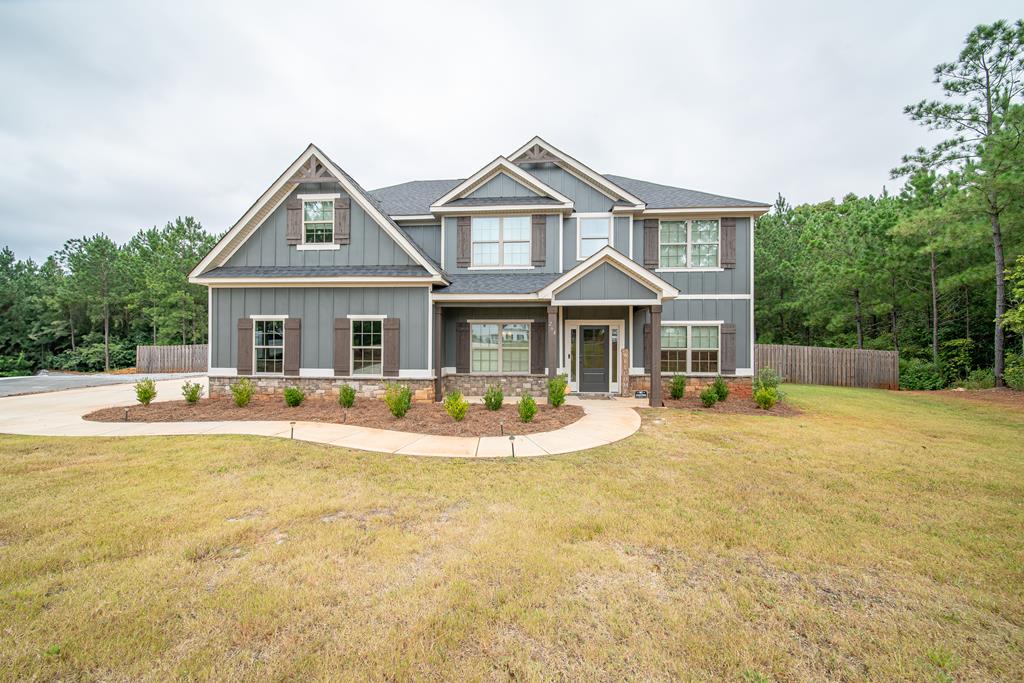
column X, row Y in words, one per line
column 585, row 198
column 728, row 281
column 605, row 282
column 735, row 311
column 451, row 243
column 318, row 307
column 502, row 185
column 427, row 238
column 369, row 245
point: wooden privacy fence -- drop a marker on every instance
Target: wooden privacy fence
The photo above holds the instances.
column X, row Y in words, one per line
column 835, row 367
column 181, row 358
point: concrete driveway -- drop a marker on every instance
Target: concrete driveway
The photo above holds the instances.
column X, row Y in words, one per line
column 38, row 384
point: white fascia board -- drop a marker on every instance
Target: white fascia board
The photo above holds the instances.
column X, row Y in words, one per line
column 499, row 165
column 342, row 281
column 610, row 255
column 418, row 217
column 489, row 297
column 504, row 209
column 589, row 174
column 708, row 211
column 606, row 302
column 699, row 297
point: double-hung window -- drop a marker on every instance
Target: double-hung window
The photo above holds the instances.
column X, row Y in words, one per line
column 500, row 347
column 367, row 348
column 689, row 244
column 690, row 349
column 501, row 241
column 318, row 221
column 268, row 346
column 595, row 233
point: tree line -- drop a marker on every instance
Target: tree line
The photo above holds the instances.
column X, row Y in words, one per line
column 87, row 306
column 934, row 271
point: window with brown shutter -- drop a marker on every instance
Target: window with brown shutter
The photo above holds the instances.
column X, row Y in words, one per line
column 650, row 243
column 464, row 239
column 293, row 231
column 292, row 346
column 342, row 340
column 728, row 238
column 728, row 343
column 539, row 239
column 462, row 342
column 244, row 361
column 538, row 333
column 391, row 346
column 342, row 220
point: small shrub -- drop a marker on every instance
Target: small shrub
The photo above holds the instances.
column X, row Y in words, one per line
column 242, row 392
column 346, row 396
column 982, row 378
column 1013, row 374
column 493, row 397
column 145, row 391
column 192, row 391
column 678, row 386
column 456, row 405
column 557, row 386
column 920, row 375
column 721, row 388
column 767, row 378
column 293, row 397
column 709, row 397
column 956, row 356
column 399, row 399
column 527, row 408
column 766, row 397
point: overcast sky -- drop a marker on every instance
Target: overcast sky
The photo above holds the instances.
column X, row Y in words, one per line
column 120, row 116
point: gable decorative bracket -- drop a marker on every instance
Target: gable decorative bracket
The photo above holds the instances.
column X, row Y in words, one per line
column 536, row 155
column 313, row 172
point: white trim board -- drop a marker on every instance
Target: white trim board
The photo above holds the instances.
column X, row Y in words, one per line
column 711, row 297
column 616, row 258
column 499, row 165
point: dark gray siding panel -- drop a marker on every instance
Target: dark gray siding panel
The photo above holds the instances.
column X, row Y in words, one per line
column 605, row 282
column 451, row 245
column 454, row 315
column 731, row 281
column 736, row 311
column 318, row 307
column 369, row 246
column 428, row 238
column 586, row 198
column 502, row 185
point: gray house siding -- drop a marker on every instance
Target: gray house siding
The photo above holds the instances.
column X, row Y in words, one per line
column 453, row 315
column 451, row 245
column 735, row 311
column 569, row 242
column 584, row 196
column 729, row 281
column 620, row 234
column 318, row 307
column 370, row 245
column 502, row 185
column 605, row 282
column 427, row 238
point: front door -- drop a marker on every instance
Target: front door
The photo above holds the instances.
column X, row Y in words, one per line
column 594, row 358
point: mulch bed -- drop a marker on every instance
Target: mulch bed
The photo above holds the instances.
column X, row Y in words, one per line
column 422, row 418
column 733, row 405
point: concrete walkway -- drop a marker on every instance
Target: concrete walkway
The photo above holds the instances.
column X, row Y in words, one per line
column 60, row 414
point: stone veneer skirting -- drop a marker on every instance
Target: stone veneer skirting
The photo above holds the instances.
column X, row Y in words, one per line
column 423, row 389
column 740, row 387
column 511, row 385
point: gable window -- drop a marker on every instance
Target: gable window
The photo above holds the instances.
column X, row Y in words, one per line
column 367, row 348
column 500, row 347
column 689, row 244
column 691, row 349
column 268, row 346
column 318, row 221
column 501, row 241
column 593, row 234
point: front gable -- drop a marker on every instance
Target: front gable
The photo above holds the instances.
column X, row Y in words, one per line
column 501, row 183
column 608, row 277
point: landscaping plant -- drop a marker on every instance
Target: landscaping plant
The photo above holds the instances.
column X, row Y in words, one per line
column 709, row 397
column 192, row 391
column 527, row 408
column 557, row 386
column 766, row 397
column 767, row 378
column 145, row 391
column 982, row 378
column 398, row 397
column 346, row 396
column 721, row 388
column 493, row 397
column 242, row 392
column 456, row 405
column 678, row 386
column 293, row 397
column 917, row 375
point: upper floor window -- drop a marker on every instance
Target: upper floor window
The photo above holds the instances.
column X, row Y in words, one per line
column 689, row 244
column 501, row 241
column 595, row 233
column 318, row 221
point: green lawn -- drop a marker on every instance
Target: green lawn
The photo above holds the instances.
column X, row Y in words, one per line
column 877, row 536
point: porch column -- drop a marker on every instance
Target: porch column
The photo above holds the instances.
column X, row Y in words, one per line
column 552, row 343
column 438, row 352
column 655, row 395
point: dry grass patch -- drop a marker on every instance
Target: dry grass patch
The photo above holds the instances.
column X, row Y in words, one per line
column 876, row 536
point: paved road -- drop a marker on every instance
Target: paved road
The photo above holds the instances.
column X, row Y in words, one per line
column 38, row 384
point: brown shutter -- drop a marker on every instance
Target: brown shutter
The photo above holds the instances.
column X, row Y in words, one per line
column 342, row 343
column 392, row 348
column 727, row 236
column 292, row 346
column 538, row 333
column 244, row 346
column 293, row 233
column 647, row 348
column 728, row 344
column 650, row 243
column 464, row 246
column 342, row 220
column 539, row 238
column 462, row 348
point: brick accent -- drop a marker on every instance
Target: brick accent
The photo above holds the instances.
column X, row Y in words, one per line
column 511, row 385
column 422, row 389
column 739, row 387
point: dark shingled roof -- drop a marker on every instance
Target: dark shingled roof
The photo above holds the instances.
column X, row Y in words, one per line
column 498, row 283
column 667, row 197
column 502, row 201
column 317, row 271
column 413, row 198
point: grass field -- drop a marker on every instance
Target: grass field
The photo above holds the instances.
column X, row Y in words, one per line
column 877, row 536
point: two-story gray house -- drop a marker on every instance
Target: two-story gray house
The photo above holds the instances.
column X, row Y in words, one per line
column 534, row 265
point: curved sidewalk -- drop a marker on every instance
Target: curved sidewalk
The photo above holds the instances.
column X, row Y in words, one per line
column 60, row 413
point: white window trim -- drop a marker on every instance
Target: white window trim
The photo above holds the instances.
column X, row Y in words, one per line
column 500, row 265
column 689, row 325
column 689, row 248
column 284, row 343
column 317, row 246
column 500, row 324
column 352, row 347
column 611, row 231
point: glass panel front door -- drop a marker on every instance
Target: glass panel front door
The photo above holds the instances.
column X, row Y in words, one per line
column 594, row 358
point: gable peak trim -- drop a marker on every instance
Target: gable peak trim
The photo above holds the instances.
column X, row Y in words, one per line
column 501, row 165
column 618, row 260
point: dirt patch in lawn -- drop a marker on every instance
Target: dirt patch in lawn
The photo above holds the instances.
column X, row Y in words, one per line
column 422, row 418
column 733, row 405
